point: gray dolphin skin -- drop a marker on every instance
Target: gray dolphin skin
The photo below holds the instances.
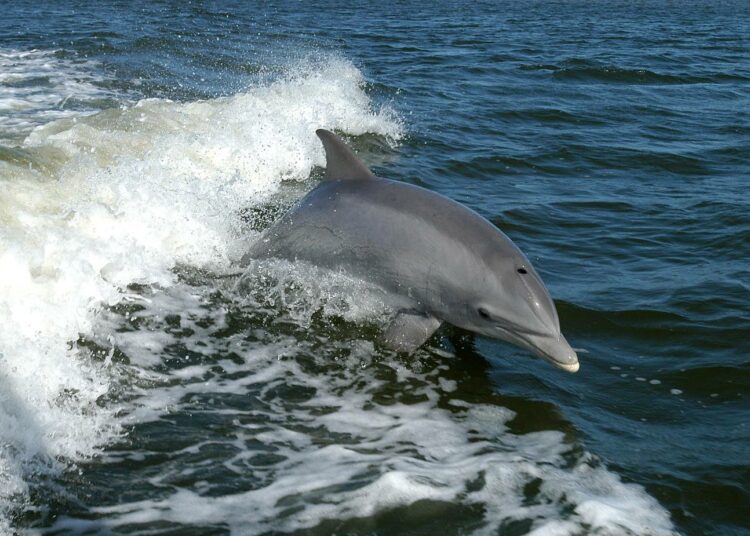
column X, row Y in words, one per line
column 442, row 261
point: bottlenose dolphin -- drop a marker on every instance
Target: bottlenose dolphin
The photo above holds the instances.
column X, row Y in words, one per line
column 443, row 261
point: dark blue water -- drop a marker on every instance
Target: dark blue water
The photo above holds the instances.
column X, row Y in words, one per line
column 610, row 141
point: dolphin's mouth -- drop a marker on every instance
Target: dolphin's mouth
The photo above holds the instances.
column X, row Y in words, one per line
column 554, row 349
column 570, row 367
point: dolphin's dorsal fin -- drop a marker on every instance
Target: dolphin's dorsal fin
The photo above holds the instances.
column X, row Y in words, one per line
column 341, row 162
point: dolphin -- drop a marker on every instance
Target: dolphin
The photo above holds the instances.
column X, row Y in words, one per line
column 442, row 261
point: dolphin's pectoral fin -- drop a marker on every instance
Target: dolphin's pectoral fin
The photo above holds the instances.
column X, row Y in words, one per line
column 409, row 331
column 341, row 162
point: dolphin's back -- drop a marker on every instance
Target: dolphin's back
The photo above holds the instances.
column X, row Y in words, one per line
column 394, row 234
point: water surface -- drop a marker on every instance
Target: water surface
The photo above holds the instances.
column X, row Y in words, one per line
column 146, row 388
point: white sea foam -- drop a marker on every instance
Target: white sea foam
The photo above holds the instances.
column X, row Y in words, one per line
column 123, row 196
column 38, row 86
column 392, row 453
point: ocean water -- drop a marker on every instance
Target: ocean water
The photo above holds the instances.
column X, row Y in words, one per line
column 146, row 387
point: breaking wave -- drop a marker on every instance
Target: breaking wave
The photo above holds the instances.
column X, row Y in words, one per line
column 92, row 204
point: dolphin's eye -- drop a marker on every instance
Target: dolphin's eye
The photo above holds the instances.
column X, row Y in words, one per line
column 483, row 313
column 522, row 271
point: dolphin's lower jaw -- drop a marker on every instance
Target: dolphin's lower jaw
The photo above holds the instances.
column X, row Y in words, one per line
column 556, row 350
column 573, row 366
column 553, row 348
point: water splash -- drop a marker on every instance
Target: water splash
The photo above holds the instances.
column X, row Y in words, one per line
column 96, row 203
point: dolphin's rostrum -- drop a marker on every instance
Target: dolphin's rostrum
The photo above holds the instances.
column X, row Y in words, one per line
column 442, row 261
